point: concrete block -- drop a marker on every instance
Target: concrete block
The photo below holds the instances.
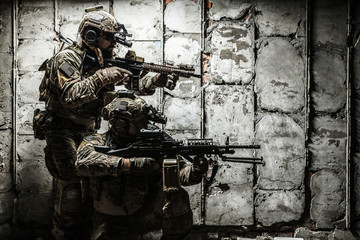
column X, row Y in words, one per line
column 344, row 235
column 6, row 93
column 328, row 198
column 183, row 134
column 279, row 206
column 182, row 113
column 195, row 202
column 5, row 120
column 6, row 206
column 305, row 233
column 287, row 238
column 280, row 76
column 150, row 51
column 183, row 16
column 38, row 3
column 355, row 121
column 154, row 99
column 329, row 71
column 228, row 9
column 34, row 208
column 5, row 161
column 356, row 196
column 356, row 68
column 329, row 20
column 328, row 143
column 229, row 205
column 229, row 112
column 30, row 148
column 282, row 143
column 30, row 57
column 229, row 198
column 70, row 30
column 28, row 87
column 6, row 26
column 277, row 18
column 232, row 173
column 31, row 172
column 25, row 114
column 183, row 50
column 36, row 22
column 69, row 17
column 231, row 46
column 6, row 64
column 186, row 88
column 148, row 15
column 33, row 176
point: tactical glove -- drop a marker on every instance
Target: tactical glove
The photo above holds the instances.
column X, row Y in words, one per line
column 144, row 165
column 113, row 75
column 163, row 80
column 200, row 165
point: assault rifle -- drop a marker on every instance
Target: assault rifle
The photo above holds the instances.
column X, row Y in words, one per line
column 154, row 142
column 137, row 66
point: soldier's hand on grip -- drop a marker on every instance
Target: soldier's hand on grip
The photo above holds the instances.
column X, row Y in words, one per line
column 200, row 164
column 144, row 165
column 163, row 80
column 113, row 75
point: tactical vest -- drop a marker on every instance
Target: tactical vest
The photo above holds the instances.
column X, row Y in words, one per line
column 87, row 114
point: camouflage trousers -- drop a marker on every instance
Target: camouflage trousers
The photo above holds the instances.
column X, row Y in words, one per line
column 71, row 213
column 169, row 212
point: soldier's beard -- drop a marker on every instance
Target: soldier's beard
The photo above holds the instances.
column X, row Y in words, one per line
column 107, row 53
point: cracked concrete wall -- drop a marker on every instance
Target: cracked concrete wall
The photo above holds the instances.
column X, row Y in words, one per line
column 279, row 85
column 327, row 145
column 253, row 59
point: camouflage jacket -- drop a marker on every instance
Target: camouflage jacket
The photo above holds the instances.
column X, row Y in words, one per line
column 71, row 88
column 116, row 190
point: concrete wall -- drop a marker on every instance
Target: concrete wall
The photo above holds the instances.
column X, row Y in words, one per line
column 268, row 79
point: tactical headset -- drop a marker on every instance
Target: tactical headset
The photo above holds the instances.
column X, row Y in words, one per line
column 91, row 37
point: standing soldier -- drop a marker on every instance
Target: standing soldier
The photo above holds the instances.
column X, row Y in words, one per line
column 74, row 92
column 127, row 192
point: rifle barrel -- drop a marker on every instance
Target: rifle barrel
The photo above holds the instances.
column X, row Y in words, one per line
column 244, row 160
column 241, row 146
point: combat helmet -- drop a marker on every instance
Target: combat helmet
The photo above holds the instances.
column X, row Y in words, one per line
column 121, row 111
column 97, row 23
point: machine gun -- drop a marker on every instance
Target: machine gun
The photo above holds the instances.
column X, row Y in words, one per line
column 154, row 142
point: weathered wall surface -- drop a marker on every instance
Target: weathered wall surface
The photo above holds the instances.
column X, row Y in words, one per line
column 261, row 85
column 6, row 121
column 356, row 115
column 328, row 98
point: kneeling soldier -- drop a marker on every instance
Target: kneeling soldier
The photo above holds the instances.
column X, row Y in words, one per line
column 127, row 192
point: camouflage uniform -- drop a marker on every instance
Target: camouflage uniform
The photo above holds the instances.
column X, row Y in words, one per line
column 129, row 203
column 74, row 98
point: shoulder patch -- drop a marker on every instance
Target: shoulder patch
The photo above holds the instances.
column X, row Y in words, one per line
column 67, row 69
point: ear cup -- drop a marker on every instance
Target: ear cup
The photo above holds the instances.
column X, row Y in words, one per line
column 91, row 37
